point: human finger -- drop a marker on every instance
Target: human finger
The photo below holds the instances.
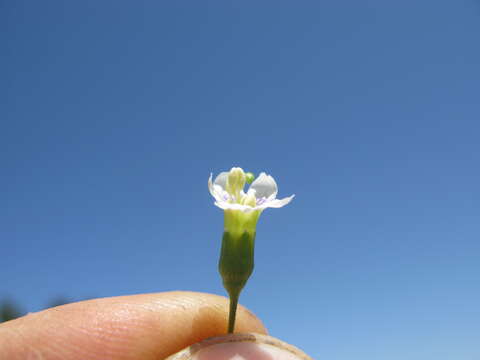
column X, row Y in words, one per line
column 146, row 327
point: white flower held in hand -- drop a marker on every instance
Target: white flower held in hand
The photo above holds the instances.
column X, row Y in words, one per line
column 241, row 211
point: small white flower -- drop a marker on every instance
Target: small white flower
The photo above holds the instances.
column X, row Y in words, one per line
column 227, row 189
column 241, row 213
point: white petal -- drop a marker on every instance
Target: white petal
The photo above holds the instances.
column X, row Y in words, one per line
column 231, row 206
column 250, row 192
column 276, row 203
column 217, row 191
column 221, row 180
column 264, row 186
column 210, row 185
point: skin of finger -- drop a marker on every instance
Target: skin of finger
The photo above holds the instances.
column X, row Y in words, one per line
column 146, row 327
column 245, row 351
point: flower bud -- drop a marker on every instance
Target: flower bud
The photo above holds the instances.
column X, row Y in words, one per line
column 249, row 177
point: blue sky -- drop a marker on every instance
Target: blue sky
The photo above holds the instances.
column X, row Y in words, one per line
column 115, row 113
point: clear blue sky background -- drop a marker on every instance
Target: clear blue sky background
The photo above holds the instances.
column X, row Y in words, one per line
column 114, row 113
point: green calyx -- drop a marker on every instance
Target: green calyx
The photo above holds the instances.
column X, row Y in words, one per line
column 235, row 266
column 237, row 255
column 236, row 260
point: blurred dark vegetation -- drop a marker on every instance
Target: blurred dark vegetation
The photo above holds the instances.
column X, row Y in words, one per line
column 10, row 310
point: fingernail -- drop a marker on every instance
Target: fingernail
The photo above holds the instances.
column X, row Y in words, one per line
column 241, row 347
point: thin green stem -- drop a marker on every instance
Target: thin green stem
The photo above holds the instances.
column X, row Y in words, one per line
column 233, row 312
